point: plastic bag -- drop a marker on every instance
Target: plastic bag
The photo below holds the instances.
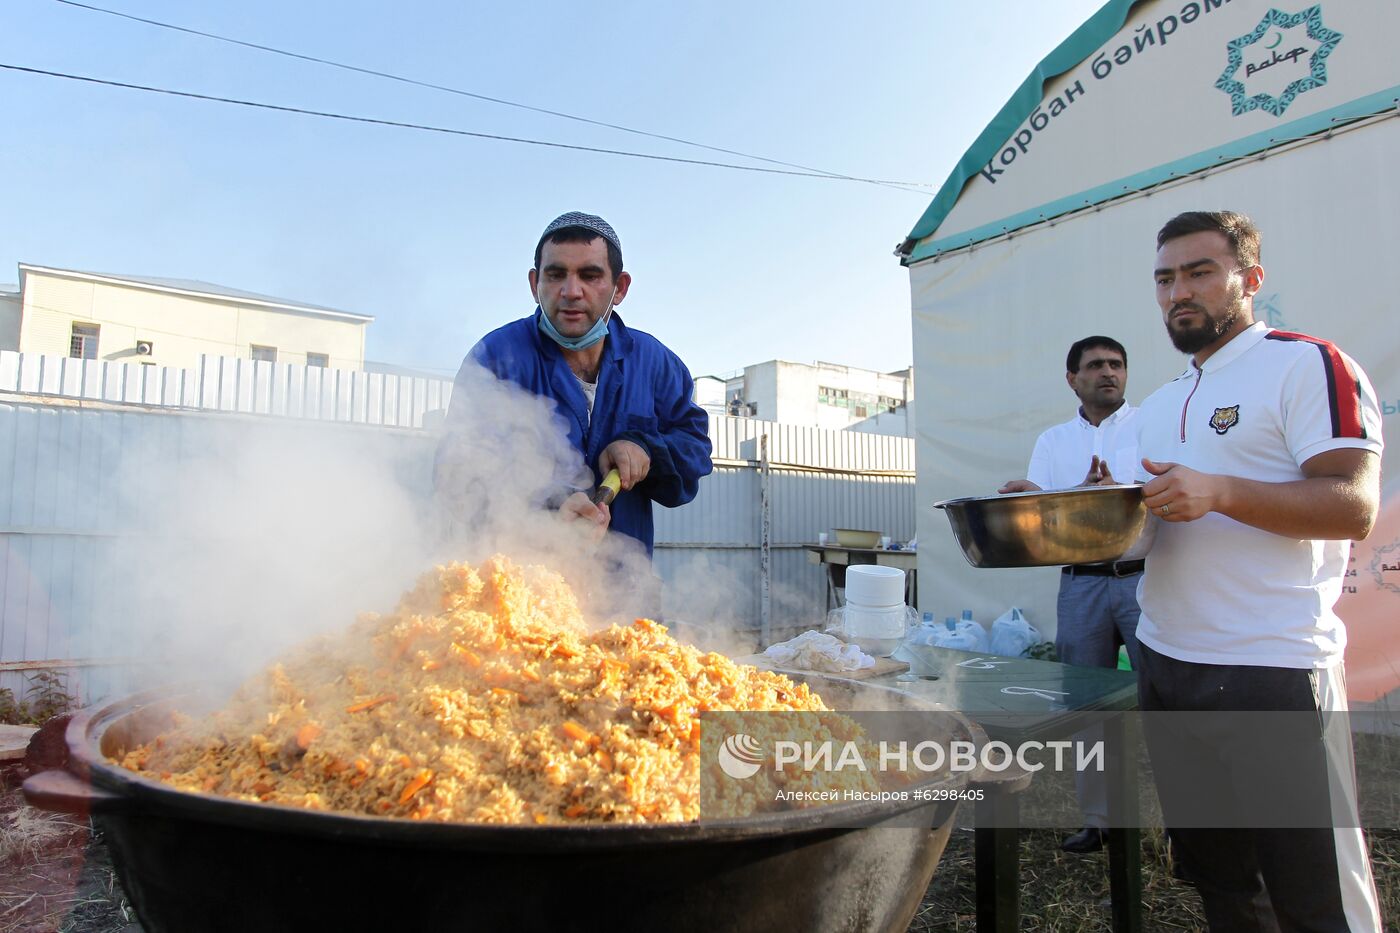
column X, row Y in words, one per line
column 1012, row 635
column 962, row 634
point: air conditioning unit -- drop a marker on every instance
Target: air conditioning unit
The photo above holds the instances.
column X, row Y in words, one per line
column 145, row 347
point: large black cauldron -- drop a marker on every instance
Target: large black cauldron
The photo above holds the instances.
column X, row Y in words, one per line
column 191, row 862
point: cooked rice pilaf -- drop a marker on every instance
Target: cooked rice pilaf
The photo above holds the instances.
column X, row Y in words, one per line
column 484, row 697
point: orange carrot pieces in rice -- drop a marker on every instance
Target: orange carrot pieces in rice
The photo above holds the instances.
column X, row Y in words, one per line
column 414, row 786
column 605, row 759
column 432, row 664
column 577, row 809
column 307, row 734
column 370, row 704
column 574, row 731
column 466, row 655
column 405, row 761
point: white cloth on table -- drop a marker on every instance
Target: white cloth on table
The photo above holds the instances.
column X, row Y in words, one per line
column 817, row 651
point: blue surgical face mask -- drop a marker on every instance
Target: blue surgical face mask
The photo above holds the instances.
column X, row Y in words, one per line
column 597, row 332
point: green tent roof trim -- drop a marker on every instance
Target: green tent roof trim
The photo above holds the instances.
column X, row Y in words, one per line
column 1286, row 134
column 1068, row 55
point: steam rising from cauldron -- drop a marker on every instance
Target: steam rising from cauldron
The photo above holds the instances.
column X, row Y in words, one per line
column 260, row 532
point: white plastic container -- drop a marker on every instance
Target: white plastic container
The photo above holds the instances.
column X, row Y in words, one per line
column 870, row 586
column 877, row 632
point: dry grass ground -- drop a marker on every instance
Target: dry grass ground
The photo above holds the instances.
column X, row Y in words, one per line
column 1069, row 893
column 54, row 877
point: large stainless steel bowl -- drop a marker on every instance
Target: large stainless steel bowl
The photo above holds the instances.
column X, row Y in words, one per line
column 1084, row 525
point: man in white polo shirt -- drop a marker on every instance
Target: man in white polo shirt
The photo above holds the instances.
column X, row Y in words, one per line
column 1097, row 607
column 1263, row 463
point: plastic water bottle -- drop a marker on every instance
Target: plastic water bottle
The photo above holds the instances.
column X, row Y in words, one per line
column 964, row 634
column 926, row 634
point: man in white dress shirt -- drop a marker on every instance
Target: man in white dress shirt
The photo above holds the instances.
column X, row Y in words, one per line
column 1097, row 608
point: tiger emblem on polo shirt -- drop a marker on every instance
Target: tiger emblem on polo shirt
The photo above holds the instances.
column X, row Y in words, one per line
column 1225, row 418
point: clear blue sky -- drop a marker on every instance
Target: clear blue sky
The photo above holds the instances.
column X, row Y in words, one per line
column 433, row 234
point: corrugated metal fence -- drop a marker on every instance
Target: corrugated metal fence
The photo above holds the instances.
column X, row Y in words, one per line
column 98, row 460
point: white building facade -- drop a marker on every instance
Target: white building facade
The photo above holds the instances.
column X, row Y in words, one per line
column 170, row 322
column 823, row 395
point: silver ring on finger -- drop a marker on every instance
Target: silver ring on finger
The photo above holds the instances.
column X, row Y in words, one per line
column 1165, row 510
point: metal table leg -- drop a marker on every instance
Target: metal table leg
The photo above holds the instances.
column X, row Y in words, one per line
column 998, row 861
column 1124, row 836
column 997, row 856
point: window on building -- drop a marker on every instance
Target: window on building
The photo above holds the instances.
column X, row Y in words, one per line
column 890, row 403
column 861, row 411
column 82, row 344
column 263, row 354
column 827, row 395
column 318, row 359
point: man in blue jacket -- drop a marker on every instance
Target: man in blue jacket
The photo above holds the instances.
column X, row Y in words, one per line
column 625, row 400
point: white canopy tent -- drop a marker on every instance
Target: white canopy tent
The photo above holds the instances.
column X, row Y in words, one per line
column 1045, row 233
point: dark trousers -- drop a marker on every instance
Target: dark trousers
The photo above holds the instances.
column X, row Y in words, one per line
column 1225, row 771
column 1094, row 613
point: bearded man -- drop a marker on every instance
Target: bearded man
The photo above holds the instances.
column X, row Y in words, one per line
column 1263, row 464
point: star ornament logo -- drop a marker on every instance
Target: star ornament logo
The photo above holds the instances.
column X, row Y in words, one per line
column 1285, row 55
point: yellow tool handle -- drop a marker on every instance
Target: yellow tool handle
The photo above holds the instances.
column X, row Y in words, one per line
column 608, row 489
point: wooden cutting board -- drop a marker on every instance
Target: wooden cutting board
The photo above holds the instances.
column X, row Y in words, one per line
column 14, row 740
column 882, row 667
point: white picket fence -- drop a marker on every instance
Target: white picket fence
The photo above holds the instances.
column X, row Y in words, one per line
column 222, row 383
